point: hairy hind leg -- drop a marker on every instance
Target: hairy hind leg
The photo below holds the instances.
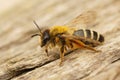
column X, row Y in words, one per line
column 78, row 44
column 90, row 48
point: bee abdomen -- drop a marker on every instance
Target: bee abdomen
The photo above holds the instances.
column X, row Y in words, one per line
column 101, row 38
column 89, row 34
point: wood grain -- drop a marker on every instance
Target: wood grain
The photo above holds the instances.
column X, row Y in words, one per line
column 21, row 58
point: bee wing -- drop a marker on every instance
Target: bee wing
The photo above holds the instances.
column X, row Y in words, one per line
column 72, row 39
column 83, row 20
column 81, row 40
column 77, row 44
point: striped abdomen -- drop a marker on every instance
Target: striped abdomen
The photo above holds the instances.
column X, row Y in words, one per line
column 89, row 37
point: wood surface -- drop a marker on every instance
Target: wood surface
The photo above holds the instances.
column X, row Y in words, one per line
column 21, row 57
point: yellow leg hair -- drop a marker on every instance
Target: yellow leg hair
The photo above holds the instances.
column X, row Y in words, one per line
column 78, row 44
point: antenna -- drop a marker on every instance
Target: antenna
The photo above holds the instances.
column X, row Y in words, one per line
column 37, row 26
column 35, row 35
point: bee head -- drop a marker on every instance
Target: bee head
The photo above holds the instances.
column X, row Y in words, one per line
column 44, row 36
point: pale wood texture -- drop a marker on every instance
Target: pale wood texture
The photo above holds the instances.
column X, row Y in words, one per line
column 21, row 58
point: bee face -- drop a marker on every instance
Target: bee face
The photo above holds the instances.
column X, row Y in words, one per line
column 45, row 37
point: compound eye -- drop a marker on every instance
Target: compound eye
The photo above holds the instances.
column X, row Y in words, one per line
column 45, row 38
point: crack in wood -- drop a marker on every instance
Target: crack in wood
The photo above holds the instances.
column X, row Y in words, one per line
column 23, row 71
column 115, row 60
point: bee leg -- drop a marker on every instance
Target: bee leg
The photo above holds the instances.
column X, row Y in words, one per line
column 82, row 45
column 61, row 55
column 46, row 50
column 90, row 48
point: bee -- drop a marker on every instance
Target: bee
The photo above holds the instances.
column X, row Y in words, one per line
column 71, row 38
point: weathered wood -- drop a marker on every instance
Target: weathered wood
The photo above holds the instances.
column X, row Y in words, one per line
column 21, row 58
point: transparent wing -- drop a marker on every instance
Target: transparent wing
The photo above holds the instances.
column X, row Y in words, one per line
column 76, row 43
column 82, row 40
column 83, row 20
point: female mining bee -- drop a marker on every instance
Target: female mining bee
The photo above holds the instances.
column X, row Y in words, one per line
column 69, row 38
